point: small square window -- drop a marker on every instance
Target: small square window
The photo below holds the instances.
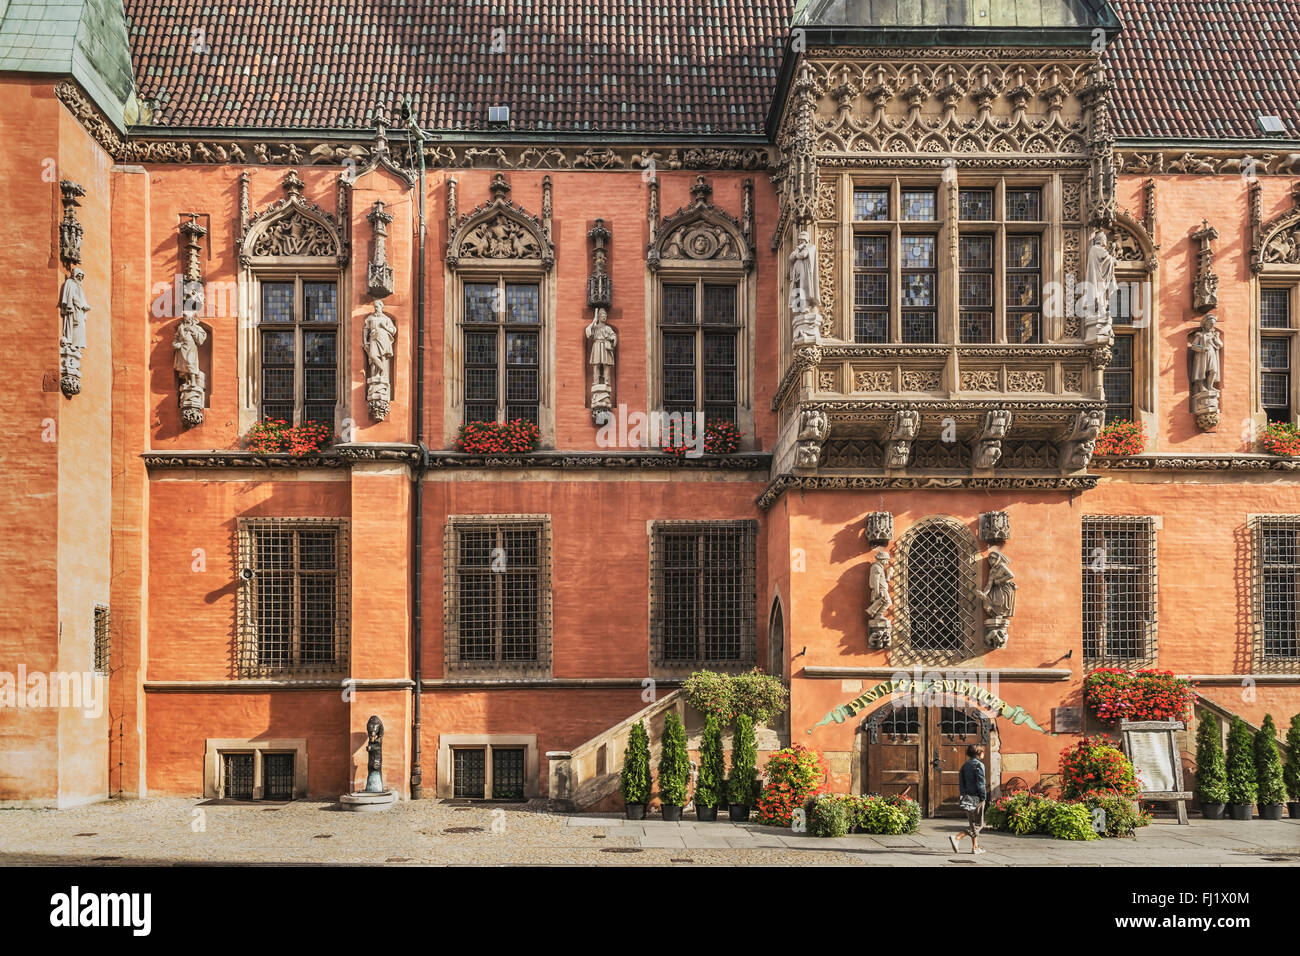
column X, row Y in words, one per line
column 919, row 205
column 975, row 204
column 1275, row 309
column 1024, row 205
column 871, row 205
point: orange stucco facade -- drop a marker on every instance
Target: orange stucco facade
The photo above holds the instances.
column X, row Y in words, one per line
column 114, row 502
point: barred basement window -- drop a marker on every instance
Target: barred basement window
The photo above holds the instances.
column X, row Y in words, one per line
column 1119, row 591
column 936, row 615
column 488, row 773
column 240, row 779
column 498, row 594
column 102, row 640
column 293, row 597
column 277, row 776
column 702, row 594
column 1277, row 585
column 237, row 776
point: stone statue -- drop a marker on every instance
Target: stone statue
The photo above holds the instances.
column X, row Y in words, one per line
column 603, row 340
column 879, row 629
column 72, row 338
column 379, row 338
column 1077, row 448
column 814, row 428
column 988, row 452
column 1206, row 351
column 805, row 292
column 192, row 387
column 907, row 422
column 375, row 748
column 1099, row 286
column 999, row 599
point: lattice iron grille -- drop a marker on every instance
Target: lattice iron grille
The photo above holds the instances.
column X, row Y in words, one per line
column 293, row 612
column 702, row 594
column 936, row 615
column 237, row 776
column 1277, row 592
column 102, row 639
column 894, row 721
column 277, row 776
column 497, row 595
column 1119, row 591
column 507, row 774
column 468, row 774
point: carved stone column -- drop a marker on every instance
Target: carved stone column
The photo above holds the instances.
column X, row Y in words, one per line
column 73, row 306
column 379, row 274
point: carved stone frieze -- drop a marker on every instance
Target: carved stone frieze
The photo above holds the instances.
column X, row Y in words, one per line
column 1276, row 242
column 873, row 380
column 1207, row 162
column 979, row 380
column 806, row 483
column 921, row 380
column 1022, row 380
column 500, row 229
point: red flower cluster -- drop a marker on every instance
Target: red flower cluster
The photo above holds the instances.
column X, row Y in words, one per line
column 1122, row 438
column 1114, row 694
column 720, row 438
column 494, row 438
column 1096, row 764
column 793, row 775
column 275, row 435
column 1281, row 438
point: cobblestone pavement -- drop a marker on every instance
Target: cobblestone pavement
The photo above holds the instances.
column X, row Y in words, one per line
column 185, row 831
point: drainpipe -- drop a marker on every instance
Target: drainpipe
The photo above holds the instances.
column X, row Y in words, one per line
column 417, row 497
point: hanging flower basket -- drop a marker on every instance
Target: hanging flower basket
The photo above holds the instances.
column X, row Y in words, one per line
column 1121, row 438
column 1113, row 694
column 498, row 438
column 1281, row 438
column 276, row 436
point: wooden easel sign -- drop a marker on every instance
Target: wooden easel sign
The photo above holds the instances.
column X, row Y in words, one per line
column 1152, row 746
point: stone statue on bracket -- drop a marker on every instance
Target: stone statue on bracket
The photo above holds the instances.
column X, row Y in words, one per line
column 192, row 384
column 814, row 428
column 1099, row 285
column 603, row 340
column 999, row 598
column 73, row 308
column 988, row 451
column 1206, row 351
column 379, row 339
column 879, row 628
column 1081, row 439
column 907, row 422
column 805, row 292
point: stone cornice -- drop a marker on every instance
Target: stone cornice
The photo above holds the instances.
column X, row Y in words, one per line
column 346, row 456
column 1155, row 462
column 787, row 482
column 1033, row 674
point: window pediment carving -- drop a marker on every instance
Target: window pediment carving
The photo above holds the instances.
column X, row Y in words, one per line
column 502, row 230
column 1277, row 242
column 701, row 232
column 292, row 226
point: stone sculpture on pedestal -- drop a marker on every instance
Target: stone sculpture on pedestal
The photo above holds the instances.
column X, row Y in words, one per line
column 1099, row 286
column 1206, row 350
column 805, row 293
column 72, row 338
column 879, row 628
column 999, row 599
column 379, row 338
column 375, row 750
column 191, row 382
column 814, row 427
column 603, row 340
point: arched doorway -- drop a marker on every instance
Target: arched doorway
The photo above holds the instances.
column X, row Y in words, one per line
column 914, row 749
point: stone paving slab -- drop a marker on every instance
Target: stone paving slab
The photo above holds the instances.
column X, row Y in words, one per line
column 179, row 831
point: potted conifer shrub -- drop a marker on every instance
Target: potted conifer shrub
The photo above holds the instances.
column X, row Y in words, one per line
column 713, row 772
column 1241, row 771
column 1268, row 772
column 674, row 768
column 1291, row 772
column 1211, row 784
column 635, row 781
column 741, row 781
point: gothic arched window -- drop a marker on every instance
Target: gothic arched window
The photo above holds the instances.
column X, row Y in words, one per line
column 937, row 617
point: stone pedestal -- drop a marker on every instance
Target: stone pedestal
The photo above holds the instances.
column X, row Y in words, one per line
column 364, row 802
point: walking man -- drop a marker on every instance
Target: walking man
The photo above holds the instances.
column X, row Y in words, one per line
column 974, row 794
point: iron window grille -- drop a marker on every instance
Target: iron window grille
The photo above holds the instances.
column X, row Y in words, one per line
column 502, row 351
column 237, row 776
column 936, row 616
column 277, row 776
column 1119, row 591
column 103, row 639
column 1276, row 591
column 298, row 325
column 699, row 329
column 293, row 597
column 497, row 595
column 488, row 773
column 703, row 597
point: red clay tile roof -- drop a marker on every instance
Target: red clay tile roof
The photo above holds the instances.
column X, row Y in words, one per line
column 1206, row 69
column 1184, row 68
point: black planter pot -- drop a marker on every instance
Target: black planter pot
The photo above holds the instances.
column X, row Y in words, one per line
column 1212, row 811
column 1240, row 811
column 1270, row 811
column 672, row 813
column 634, row 811
column 1293, row 809
column 706, row 814
column 738, row 812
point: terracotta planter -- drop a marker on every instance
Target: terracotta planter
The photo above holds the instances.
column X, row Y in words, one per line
column 706, row 814
column 1293, row 809
column 738, row 812
column 1212, row 811
column 1240, row 811
column 1270, row 811
column 672, row 813
column 634, row 811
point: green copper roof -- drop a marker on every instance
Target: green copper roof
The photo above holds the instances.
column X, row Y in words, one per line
column 85, row 40
column 940, row 14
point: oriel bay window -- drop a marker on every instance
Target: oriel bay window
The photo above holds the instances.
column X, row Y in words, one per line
column 895, row 241
column 699, row 326
column 298, row 326
column 502, row 327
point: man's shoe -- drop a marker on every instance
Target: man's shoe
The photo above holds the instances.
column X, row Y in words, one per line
column 977, row 850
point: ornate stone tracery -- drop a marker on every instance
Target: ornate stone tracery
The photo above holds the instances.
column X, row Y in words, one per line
column 702, row 231
column 289, row 227
column 502, row 230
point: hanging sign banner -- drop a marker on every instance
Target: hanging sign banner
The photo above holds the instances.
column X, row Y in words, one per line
column 934, row 687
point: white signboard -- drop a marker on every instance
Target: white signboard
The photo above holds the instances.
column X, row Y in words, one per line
column 1153, row 760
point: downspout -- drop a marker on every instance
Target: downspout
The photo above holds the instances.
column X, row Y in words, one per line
column 417, row 477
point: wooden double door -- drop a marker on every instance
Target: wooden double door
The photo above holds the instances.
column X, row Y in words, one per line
column 918, row 751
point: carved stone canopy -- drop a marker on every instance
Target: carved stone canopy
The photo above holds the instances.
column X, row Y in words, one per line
column 702, row 232
column 292, row 227
column 1276, row 242
column 880, row 528
column 501, row 230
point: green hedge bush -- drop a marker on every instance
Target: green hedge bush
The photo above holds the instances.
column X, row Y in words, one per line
column 635, row 778
column 1242, row 787
column 1211, row 772
column 711, row 783
column 1268, row 765
column 742, row 782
